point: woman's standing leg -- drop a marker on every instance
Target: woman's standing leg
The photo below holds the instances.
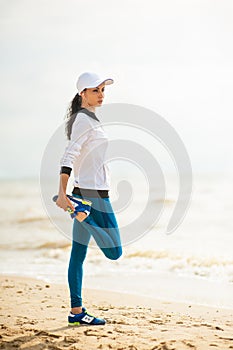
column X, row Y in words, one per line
column 78, row 314
column 75, row 270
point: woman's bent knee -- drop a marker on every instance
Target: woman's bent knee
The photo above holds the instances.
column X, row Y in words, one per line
column 112, row 253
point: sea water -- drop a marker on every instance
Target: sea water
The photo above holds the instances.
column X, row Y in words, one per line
column 194, row 264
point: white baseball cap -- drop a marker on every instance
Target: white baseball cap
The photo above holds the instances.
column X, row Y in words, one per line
column 90, row 80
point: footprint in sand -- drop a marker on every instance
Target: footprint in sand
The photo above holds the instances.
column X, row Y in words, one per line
column 70, row 340
column 47, row 334
column 91, row 333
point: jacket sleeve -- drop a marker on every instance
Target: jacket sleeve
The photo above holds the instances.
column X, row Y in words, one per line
column 80, row 132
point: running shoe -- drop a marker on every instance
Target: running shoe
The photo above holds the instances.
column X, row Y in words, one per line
column 84, row 319
column 80, row 205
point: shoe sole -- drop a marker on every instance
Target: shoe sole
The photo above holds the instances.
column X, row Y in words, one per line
column 76, row 324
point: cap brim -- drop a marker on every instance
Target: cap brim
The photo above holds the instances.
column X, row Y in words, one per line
column 108, row 81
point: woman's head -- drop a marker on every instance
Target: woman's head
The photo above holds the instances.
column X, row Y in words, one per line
column 91, row 88
column 90, row 95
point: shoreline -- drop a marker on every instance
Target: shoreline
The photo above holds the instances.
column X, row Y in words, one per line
column 149, row 301
column 131, row 283
column 34, row 314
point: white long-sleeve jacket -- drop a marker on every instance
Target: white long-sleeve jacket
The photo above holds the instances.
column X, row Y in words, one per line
column 86, row 151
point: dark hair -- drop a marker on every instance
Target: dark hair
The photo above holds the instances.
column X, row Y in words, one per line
column 72, row 111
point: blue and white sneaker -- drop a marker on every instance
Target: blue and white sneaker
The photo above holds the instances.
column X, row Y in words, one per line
column 80, row 205
column 84, row 319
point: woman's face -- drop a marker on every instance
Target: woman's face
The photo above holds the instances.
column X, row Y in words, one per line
column 94, row 97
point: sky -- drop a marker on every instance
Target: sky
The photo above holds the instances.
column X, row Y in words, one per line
column 174, row 57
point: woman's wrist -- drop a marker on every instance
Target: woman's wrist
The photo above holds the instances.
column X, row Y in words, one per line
column 65, row 170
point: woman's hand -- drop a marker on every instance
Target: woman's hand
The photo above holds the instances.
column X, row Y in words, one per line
column 64, row 202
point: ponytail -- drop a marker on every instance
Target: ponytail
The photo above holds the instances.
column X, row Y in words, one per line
column 74, row 108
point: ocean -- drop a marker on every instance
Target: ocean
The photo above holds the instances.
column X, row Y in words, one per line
column 194, row 264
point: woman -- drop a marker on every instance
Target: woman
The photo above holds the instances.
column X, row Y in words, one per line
column 85, row 155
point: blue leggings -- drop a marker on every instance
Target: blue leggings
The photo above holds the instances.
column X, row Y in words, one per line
column 102, row 225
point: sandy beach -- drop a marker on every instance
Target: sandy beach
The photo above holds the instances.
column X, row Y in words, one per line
column 34, row 316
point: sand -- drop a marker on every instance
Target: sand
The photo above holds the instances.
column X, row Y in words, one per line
column 33, row 316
